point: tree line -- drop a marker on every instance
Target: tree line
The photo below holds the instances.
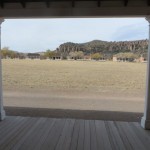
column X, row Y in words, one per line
column 7, row 53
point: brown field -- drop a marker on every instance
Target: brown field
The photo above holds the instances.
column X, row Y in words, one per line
column 85, row 85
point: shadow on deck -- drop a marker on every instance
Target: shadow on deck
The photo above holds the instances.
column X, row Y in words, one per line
column 34, row 133
column 76, row 114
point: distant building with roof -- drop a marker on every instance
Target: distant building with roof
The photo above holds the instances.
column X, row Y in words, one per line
column 33, row 55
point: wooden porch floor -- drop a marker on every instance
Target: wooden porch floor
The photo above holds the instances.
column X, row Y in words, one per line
column 30, row 133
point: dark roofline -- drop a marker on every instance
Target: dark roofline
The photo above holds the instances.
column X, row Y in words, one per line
column 73, row 8
column 47, row 2
column 33, row 54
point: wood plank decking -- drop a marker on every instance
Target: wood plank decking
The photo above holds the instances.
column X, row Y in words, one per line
column 30, row 133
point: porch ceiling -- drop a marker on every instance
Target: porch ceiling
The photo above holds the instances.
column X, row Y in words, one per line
column 100, row 3
column 74, row 8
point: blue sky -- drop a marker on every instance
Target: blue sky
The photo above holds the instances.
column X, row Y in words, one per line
column 33, row 35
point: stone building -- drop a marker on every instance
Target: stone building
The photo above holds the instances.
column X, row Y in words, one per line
column 125, row 57
column 57, row 56
column 143, row 58
column 33, row 56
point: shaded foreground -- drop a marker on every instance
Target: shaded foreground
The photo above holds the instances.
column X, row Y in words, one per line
column 26, row 133
column 76, row 114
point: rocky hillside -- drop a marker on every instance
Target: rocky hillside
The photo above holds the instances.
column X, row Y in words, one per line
column 106, row 48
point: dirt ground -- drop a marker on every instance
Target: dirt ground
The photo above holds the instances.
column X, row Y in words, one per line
column 74, row 85
column 67, row 100
column 72, row 105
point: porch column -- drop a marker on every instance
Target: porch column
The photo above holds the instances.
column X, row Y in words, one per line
column 2, row 112
column 145, row 122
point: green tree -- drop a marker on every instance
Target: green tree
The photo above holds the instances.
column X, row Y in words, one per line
column 49, row 54
column 80, row 55
column 5, row 52
column 96, row 56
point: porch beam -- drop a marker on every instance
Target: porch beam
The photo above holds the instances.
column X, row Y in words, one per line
column 23, row 3
column 1, row 3
column 125, row 3
column 2, row 111
column 148, row 2
column 145, row 122
column 73, row 3
column 99, row 3
column 47, row 3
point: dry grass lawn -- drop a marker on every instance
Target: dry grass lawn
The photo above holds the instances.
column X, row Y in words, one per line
column 74, row 84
